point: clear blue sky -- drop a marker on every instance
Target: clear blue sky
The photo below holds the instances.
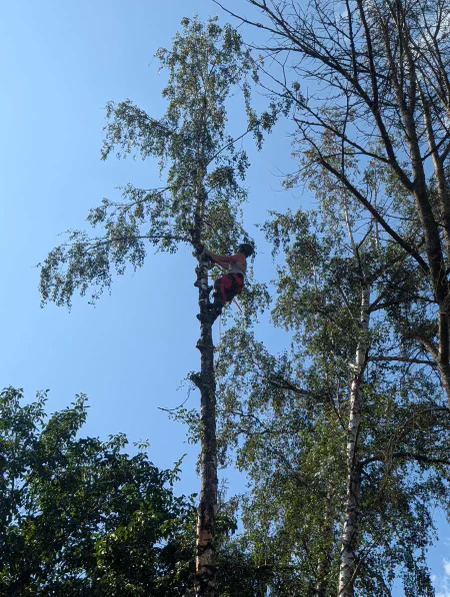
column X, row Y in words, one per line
column 61, row 62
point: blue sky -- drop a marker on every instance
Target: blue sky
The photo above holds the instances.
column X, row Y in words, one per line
column 61, row 63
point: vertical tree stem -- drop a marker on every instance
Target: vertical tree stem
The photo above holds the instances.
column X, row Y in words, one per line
column 205, row 576
column 348, row 563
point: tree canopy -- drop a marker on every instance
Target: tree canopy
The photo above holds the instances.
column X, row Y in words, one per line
column 79, row 516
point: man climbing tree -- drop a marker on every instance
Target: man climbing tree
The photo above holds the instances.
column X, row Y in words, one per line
column 199, row 203
column 232, row 283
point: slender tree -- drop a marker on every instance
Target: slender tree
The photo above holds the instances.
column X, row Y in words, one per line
column 199, row 203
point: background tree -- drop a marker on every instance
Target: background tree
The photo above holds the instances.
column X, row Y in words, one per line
column 345, row 447
column 81, row 517
column 199, row 203
column 376, row 77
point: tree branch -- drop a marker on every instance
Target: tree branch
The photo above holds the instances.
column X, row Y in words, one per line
column 402, row 360
column 407, row 455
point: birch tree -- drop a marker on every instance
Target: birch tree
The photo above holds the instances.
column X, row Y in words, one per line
column 336, row 439
column 198, row 203
column 376, row 75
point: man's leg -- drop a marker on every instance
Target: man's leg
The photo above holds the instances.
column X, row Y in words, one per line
column 223, row 287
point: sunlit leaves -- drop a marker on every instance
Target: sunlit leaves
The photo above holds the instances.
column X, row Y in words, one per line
column 202, row 166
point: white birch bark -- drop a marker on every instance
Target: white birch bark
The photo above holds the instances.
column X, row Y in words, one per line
column 348, row 563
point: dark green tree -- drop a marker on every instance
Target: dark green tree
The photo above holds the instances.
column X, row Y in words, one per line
column 199, row 203
column 78, row 516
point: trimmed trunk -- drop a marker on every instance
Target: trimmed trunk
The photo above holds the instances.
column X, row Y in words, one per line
column 348, row 565
column 205, row 578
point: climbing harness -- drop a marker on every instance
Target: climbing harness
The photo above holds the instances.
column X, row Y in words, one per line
column 229, row 286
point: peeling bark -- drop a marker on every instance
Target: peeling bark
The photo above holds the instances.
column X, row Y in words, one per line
column 348, row 563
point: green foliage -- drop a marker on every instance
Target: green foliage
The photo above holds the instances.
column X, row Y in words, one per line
column 79, row 516
column 283, row 418
column 200, row 161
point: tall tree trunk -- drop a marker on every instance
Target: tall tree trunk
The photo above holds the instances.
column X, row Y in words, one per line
column 348, row 563
column 439, row 171
column 205, row 579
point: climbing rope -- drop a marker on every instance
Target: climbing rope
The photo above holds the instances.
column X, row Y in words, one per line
column 237, row 305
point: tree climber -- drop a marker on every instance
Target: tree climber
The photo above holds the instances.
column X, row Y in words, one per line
column 232, row 283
